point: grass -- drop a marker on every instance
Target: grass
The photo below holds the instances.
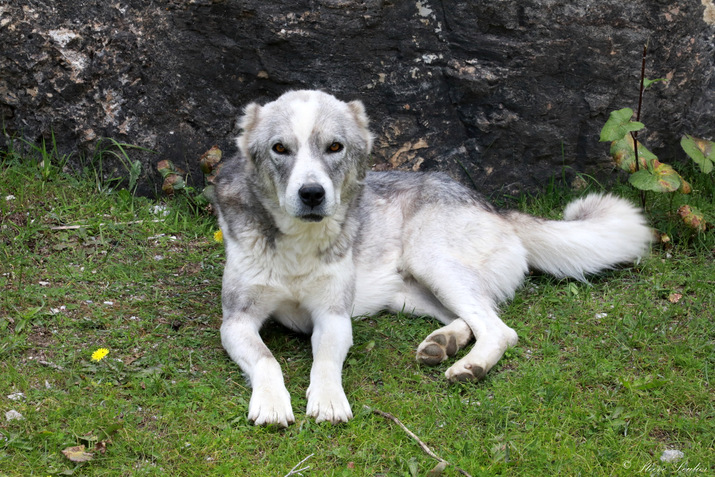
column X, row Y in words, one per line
column 605, row 377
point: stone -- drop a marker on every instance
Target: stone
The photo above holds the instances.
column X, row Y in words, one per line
column 671, row 455
column 13, row 415
column 501, row 94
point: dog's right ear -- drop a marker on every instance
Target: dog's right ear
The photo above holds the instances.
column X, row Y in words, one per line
column 246, row 124
column 358, row 110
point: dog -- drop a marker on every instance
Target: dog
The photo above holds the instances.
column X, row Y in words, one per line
column 314, row 238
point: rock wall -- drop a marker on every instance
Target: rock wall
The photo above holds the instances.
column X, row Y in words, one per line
column 500, row 93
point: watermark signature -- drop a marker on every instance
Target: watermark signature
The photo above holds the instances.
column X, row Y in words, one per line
column 654, row 469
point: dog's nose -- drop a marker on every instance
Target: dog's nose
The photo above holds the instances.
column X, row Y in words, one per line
column 312, row 195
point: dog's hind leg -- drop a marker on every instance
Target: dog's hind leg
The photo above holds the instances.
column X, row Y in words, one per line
column 493, row 339
column 443, row 343
column 457, row 289
column 270, row 400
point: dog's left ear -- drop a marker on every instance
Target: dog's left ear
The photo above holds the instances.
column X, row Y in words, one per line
column 358, row 110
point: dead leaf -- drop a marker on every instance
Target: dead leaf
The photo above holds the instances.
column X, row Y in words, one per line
column 209, row 159
column 437, row 470
column 675, row 297
column 77, row 454
column 101, row 446
column 692, row 217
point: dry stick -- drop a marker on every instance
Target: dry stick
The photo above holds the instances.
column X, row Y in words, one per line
column 424, row 446
column 75, row 227
column 293, row 471
column 51, row 365
column 634, row 134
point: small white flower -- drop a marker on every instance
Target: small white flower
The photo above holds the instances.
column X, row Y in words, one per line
column 10, row 197
column 160, row 210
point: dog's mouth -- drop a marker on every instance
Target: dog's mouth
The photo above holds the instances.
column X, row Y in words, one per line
column 311, row 218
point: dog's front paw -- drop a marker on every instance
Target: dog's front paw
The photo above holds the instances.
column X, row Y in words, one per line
column 328, row 404
column 270, row 406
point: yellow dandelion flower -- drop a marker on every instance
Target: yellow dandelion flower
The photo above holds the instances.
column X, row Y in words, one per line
column 100, row 354
column 218, row 236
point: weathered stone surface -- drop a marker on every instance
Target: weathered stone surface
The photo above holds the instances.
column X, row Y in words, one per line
column 500, row 93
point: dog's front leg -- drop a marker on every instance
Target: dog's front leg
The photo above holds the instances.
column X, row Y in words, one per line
column 270, row 401
column 331, row 340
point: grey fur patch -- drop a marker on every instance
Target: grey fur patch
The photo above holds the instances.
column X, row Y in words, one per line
column 241, row 202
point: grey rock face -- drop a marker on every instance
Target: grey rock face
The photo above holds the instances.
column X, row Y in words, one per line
column 499, row 93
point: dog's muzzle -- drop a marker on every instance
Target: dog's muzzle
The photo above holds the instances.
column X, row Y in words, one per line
column 312, row 195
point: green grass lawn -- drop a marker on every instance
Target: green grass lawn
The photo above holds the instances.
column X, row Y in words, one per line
column 605, row 377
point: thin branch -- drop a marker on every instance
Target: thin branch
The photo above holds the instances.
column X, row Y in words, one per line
column 424, row 446
column 75, row 227
column 51, row 365
column 634, row 134
column 296, row 471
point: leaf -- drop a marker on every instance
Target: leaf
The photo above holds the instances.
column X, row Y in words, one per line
column 701, row 151
column 685, row 187
column 675, row 297
column 134, row 173
column 167, row 168
column 619, row 124
column 641, row 384
column 150, row 371
column 437, row 470
column 623, row 153
column 692, row 217
column 173, row 182
column 77, row 454
column 647, row 83
column 662, row 178
column 209, row 160
column 110, row 430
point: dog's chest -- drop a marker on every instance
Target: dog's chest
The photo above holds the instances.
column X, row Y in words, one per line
column 287, row 261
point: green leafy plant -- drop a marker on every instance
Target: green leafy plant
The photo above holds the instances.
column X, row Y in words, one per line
column 47, row 156
column 647, row 172
column 175, row 177
column 118, row 150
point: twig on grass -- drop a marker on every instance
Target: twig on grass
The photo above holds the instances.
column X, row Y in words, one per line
column 51, row 365
column 75, row 227
column 424, row 446
column 296, row 471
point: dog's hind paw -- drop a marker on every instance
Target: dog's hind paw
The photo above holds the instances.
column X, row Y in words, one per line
column 466, row 372
column 270, row 407
column 329, row 404
column 436, row 348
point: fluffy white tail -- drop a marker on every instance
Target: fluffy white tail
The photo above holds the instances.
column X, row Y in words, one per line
column 597, row 233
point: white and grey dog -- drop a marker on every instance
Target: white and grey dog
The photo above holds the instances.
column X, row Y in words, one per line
column 312, row 238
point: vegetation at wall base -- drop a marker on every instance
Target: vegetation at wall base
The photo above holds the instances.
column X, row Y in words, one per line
column 111, row 361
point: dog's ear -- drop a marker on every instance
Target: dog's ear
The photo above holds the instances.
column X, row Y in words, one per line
column 358, row 110
column 246, row 124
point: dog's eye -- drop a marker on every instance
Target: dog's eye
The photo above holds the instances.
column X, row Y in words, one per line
column 279, row 148
column 335, row 147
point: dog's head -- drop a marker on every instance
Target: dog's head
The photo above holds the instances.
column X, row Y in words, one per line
column 309, row 149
